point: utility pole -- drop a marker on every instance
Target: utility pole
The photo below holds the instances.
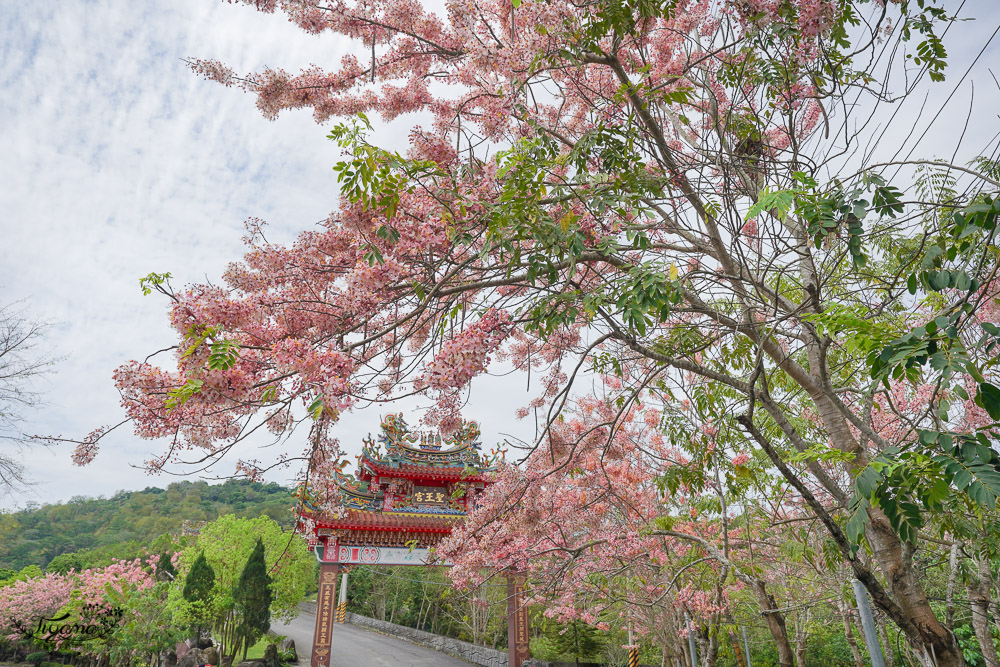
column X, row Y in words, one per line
column 691, row 645
column 868, row 625
column 633, row 650
column 746, row 648
column 342, row 605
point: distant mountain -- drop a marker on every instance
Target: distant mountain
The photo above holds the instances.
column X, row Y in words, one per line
column 130, row 522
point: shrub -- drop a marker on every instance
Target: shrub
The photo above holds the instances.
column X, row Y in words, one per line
column 37, row 658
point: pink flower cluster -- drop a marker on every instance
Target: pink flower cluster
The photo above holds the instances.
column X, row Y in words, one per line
column 24, row 602
column 467, row 354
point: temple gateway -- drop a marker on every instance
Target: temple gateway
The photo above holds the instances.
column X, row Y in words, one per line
column 409, row 491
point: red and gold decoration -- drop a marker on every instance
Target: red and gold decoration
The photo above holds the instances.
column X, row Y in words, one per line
column 409, row 491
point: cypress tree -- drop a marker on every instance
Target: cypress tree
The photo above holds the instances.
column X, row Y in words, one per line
column 200, row 580
column 252, row 599
column 198, row 590
column 577, row 639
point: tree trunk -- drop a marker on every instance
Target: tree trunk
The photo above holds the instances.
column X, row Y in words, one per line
column 800, row 638
column 708, row 648
column 905, row 601
column 895, row 560
column 712, row 652
column 980, row 585
column 889, row 653
column 775, row 624
column 914, row 614
column 848, row 617
column 949, row 597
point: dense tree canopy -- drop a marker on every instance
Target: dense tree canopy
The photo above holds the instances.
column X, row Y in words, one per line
column 226, row 544
column 128, row 524
column 736, row 311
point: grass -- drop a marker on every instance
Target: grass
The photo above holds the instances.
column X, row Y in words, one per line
column 256, row 652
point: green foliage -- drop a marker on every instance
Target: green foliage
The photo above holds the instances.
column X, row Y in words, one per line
column 375, row 177
column 921, row 476
column 575, row 640
column 200, row 580
column 937, row 343
column 63, row 563
column 826, row 211
column 37, row 658
column 147, row 627
column 223, row 355
column 615, row 18
column 424, row 599
column 252, row 598
column 153, row 281
column 165, row 570
column 131, row 523
column 646, row 296
column 930, row 51
column 226, row 544
column 228, row 541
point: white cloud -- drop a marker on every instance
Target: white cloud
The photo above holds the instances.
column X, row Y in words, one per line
column 119, row 161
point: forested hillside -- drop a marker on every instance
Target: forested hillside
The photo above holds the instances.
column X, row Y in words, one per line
column 98, row 529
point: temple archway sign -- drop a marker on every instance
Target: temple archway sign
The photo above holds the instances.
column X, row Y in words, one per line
column 408, row 493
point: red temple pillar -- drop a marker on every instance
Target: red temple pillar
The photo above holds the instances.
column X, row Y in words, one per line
column 326, row 607
column 518, row 650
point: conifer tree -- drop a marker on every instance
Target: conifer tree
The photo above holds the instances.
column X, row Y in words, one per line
column 200, row 580
column 576, row 639
column 252, row 598
column 198, row 587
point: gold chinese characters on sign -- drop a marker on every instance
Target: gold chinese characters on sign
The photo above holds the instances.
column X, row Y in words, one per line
column 324, row 615
column 430, row 495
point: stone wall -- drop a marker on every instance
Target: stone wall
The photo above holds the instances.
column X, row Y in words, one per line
column 477, row 655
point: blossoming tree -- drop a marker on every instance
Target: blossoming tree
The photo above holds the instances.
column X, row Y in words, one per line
column 652, row 191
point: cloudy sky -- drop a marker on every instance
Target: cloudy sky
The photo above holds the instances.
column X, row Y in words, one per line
column 116, row 160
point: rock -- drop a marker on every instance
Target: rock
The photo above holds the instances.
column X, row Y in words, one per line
column 169, row 659
column 203, row 643
column 227, row 661
column 271, row 656
column 192, row 658
column 251, row 663
column 287, row 646
column 211, row 655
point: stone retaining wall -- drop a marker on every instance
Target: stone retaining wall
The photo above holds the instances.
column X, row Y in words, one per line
column 477, row 655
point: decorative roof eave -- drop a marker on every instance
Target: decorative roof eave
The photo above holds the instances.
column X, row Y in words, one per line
column 418, row 471
column 390, row 522
column 441, row 454
column 369, row 497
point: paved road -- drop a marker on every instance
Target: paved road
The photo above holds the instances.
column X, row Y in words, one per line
column 355, row 647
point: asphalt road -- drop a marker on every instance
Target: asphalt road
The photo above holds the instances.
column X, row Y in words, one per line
column 355, row 647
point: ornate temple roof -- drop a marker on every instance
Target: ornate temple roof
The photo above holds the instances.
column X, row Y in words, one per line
column 417, row 471
column 388, row 491
column 403, row 447
column 353, row 519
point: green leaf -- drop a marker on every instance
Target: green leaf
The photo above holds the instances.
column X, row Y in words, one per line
column 988, row 398
column 857, row 520
column 152, row 281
